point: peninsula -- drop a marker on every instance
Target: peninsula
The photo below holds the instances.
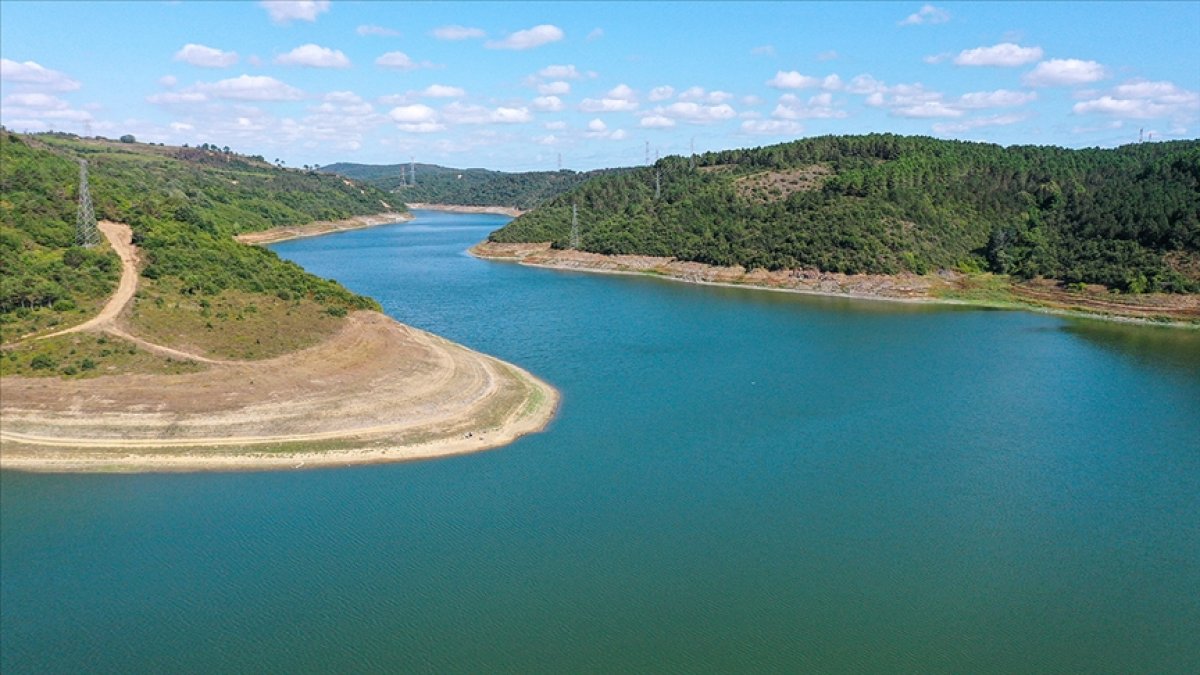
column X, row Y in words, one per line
column 171, row 347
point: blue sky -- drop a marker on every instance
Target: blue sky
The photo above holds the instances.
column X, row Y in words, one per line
column 514, row 86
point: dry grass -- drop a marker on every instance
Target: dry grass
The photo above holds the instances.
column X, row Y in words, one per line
column 230, row 325
column 773, row 186
column 87, row 355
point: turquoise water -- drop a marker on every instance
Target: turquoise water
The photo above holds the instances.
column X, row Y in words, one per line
column 737, row 480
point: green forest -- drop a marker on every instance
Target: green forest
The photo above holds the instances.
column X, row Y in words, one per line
column 1127, row 218
column 184, row 206
column 467, row 187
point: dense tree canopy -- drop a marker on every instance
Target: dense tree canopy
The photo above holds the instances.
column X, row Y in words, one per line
column 466, row 187
column 184, row 206
column 1128, row 218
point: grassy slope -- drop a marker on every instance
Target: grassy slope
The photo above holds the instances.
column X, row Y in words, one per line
column 1127, row 218
column 200, row 289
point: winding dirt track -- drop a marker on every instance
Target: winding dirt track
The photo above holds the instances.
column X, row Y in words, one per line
column 376, row 391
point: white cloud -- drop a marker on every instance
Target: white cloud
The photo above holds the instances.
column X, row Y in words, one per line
column 696, row 113
column 556, row 125
column 368, row 29
column 623, row 92
column 607, row 105
column 568, row 72
column 596, row 34
column 528, row 38
column 763, row 50
column 597, row 125
column 934, row 59
column 821, row 106
column 828, row 55
column 661, row 93
column 699, row 94
column 1143, row 99
column 772, row 127
column 400, row 61
column 417, row 113
column 1001, row 98
column 556, row 88
column 978, row 122
column 1004, row 54
column 35, row 100
column 456, row 32
column 927, row 14
column 443, row 91
column 249, row 88
column 286, row 11
column 462, row 113
column 548, row 139
column 864, row 84
column 168, row 81
column 548, row 103
column 205, row 57
column 32, row 75
column 314, row 56
column 657, row 122
column 927, row 109
column 177, row 97
column 618, row 135
column 1064, row 72
column 792, row 80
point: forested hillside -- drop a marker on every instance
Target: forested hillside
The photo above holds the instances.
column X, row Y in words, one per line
column 1127, row 218
column 467, row 187
column 184, row 205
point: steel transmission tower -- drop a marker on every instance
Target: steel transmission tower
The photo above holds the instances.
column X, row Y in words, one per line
column 86, row 234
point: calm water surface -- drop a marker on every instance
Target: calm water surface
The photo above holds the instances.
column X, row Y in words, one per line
column 737, row 480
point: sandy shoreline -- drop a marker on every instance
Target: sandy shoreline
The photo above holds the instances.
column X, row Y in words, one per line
column 1184, row 312
column 320, row 227
column 455, row 208
column 378, row 391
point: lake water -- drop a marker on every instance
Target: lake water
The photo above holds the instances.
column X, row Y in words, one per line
column 736, row 480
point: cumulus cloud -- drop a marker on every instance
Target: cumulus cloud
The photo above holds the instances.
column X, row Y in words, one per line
column 36, row 100
column 772, row 127
column 286, row 11
column 249, row 88
column 560, row 72
column 928, row 14
column 792, row 80
column 821, row 106
column 368, row 29
column 1000, row 98
column 400, row 61
column 978, row 122
column 461, row 113
column 528, row 38
column 168, row 80
column 1142, row 100
column 443, row 91
column 927, row 109
column 699, row 94
column 654, row 121
column 620, row 98
column 177, row 97
column 205, row 57
column 314, row 56
column 32, row 75
column 415, row 118
column 597, row 125
column 548, row 103
column 556, row 125
column 1004, row 54
column 556, row 88
column 456, row 32
column 1064, row 72
column 661, row 93
column 690, row 112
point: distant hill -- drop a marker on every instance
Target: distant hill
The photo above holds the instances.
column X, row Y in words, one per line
column 1127, row 218
column 467, row 187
